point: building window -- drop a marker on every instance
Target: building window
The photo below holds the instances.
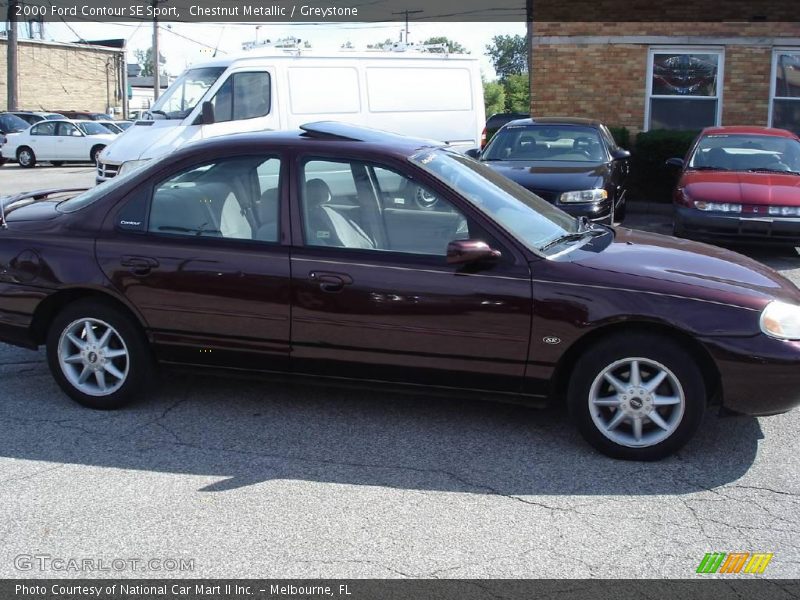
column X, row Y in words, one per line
column 784, row 108
column 683, row 88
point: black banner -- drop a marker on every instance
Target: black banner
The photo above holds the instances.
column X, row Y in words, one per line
column 739, row 587
column 550, row 11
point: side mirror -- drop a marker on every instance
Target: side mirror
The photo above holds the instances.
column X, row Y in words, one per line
column 208, row 113
column 473, row 153
column 620, row 154
column 675, row 162
column 468, row 251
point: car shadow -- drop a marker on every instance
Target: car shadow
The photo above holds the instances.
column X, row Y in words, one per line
column 238, row 432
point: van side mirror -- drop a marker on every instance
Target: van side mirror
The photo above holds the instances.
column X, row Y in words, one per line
column 208, row 113
column 473, row 153
column 675, row 162
column 460, row 252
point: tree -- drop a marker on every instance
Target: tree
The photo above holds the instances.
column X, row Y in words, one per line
column 145, row 60
column 518, row 93
column 453, row 47
column 494, row 97
column 509, row 55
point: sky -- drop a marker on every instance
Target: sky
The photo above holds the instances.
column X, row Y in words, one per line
column 183, row 44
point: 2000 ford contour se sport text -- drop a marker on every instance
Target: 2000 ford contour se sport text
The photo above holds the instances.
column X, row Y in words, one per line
column 339, row 251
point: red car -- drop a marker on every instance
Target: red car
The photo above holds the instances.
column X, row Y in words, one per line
column 740, row 183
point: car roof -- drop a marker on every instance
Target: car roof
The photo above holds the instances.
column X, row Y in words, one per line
column 338, row 135
column 554, row 121
column 749, row 130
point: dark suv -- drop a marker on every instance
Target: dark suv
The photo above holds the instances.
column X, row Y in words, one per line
column 495, row 122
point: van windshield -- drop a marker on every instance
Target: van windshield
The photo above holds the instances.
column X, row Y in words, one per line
column 184, row 94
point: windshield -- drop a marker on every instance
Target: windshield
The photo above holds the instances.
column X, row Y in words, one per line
column 91, row 195
column 741, row 152
column 546, row 142
column 533, row 221
column 92, row 128
column 12, row 124
column 184, row 94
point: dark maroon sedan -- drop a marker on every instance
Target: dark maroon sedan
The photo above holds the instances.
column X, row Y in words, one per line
column 341, row 252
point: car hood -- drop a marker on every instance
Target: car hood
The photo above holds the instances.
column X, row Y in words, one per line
column 149, row 139
column 553, row 176
column 742, row 187
column 654, row 263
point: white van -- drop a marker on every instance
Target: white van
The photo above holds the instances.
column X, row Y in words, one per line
column 431, row 96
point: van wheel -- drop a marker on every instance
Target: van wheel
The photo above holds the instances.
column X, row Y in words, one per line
column 637, row 396
column 98, row 355
column 26, row 158
column 94, row 155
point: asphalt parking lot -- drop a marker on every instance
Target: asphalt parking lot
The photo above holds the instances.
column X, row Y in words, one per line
column 247, row 478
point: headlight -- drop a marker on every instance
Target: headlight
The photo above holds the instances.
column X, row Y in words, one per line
column 785, row 211
column 132, row 165
column 781, row 320
column 583, row 196
column 718, row 206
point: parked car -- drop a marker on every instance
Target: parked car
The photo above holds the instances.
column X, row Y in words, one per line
column 35, row 117
column 85, row 115
column 9, row 123
column 350, row 253
column 572, row 163
column 115, row 127
column 57, row 142
column 495, row 122
column 740, row 184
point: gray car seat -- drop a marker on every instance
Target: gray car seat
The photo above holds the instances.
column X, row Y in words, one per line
column 325, row 226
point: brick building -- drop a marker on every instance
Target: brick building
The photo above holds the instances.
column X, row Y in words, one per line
column 678, row 75
column 62, row 76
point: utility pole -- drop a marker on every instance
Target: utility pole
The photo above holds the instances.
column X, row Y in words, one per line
column 406, row 13
column 156, row 55
column 13, row 78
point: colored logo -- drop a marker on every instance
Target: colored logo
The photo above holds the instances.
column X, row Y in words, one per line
column 734, row 562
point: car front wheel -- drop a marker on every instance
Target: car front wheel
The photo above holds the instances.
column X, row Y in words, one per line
column 95, row 153
column 98, row 355
column 637, row 396
column 26, row 158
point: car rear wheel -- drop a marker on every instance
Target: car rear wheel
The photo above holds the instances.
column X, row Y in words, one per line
column 26, row 158
column 98, row 355
column 637, row 397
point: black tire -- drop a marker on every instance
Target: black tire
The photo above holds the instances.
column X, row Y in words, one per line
column 677, row 229
column 26, row 157
column 57, row 163
column 94, row 155
column 139, row 361
column 655, row 351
